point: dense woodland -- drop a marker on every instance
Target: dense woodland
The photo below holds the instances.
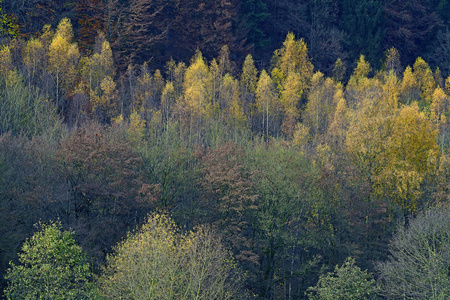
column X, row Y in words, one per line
column 224, row 150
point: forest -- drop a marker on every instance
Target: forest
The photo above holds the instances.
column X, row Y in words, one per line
column 235, row 149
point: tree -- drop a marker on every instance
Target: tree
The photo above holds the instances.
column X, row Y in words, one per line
column 249, row 83
column 52, row 266
column 339, row 122
column 321, row 104
column 145, row 29
column 346, row 282
column 99, row 66
column 34, row 54
column 24, row 110
column 363, row 24
column 293, row 57
column 229, row 196
column 290, row 99
column 392, row 62
column 195, row 105
column 409, row 88
column 168, row 98
column 409, row 26
column 63, row 59
column 159, row 261
column 230, row 103
column 326, row 41
column 207, row 26
column 94, row 16
column 253, row 14
column 339, row 70
column 8, row 24
column 265, row 99
column 360, row 88
column 394, row 145
column 108, row 188
column 425, row 82
column 294, row 219
column 418, row 265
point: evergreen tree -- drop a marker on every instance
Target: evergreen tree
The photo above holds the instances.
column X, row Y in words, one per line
column 363, row 24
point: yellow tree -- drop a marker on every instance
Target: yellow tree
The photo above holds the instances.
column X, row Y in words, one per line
column 360, row 88
column 99, row 66
column 392, row 62
column 104, row 101
column 292, row 72
column 6, row 63
column 230, row 102
column 440, row 105
column 361, row 71
column 33, row 56
column 158, row 261
column 425, row 81
column 391, row 93
column 339, row 123
column 168, row 99
column 393, row 145
column 409, row 88
column 266, row 99
column 142, row 89
column 321, row 104
column 216, row 81
column 293, row 57
column 195, row 104
column 249, row 75
column 447, row 85
column 290, row 98
column 339, row 70
column 249, row 83
column 63, row 58
column 409, row 147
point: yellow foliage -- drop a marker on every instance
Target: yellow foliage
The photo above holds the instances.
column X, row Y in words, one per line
column 63, row 57
column 409, row 89
column 6, row 64
column 391, row 93
column 168, row 99
column 362, row 69
column 160, row 262
column 64, row 29
column 278, row 78
column 98, row 66
column 293, row 57
column 291, row 94
column 33, row 54
column 440, row 104
column 339, row 124
column 143, row 92
column 321, row 104
column 249, row 75
column 13, row 79
column 230, row 101
column 197, row 97
column 447, row 85
column 104, row 100
column 394, row 148
column 301, row 136
column 338, row 70
column 265, row 93
column 425, row 80
column 118, row 120
column 236, row 111
column 137, row 127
